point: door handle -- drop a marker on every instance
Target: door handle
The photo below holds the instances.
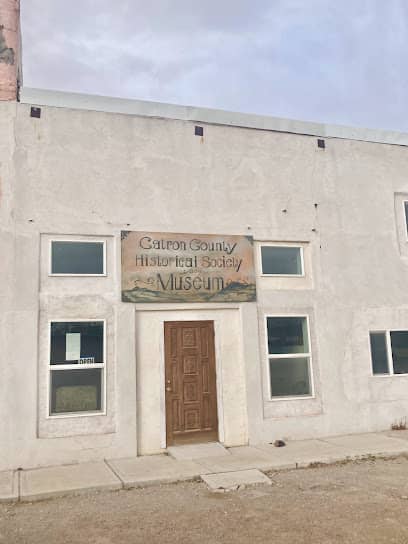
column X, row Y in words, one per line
column 168, row 389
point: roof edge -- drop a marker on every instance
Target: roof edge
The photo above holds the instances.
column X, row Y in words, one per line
column 80, row 101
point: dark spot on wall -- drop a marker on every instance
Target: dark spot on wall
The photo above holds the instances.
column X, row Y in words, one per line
column 6, row 53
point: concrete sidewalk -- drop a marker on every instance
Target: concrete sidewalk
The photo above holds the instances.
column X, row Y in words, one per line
column 193, row 462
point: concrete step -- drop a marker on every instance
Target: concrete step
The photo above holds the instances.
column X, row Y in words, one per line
column 154, row 470
column 231, row 481
column 197, row 451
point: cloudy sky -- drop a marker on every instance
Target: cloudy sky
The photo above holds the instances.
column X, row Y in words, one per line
column 343, row 61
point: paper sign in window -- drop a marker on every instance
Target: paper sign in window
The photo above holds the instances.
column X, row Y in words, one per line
column 72, row 346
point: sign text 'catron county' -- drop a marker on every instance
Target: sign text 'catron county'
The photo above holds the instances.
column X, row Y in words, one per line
column 166, row 267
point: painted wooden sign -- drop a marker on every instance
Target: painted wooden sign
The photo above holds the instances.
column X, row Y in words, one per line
column 166, row 267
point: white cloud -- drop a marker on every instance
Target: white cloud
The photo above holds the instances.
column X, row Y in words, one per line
column 340, row 62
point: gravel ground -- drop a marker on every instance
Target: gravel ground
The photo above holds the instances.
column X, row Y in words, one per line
column 360, row 502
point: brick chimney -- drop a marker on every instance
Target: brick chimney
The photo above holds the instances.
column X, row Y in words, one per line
column 10, row 49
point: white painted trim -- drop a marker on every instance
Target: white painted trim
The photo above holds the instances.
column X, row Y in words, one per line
column 390, row 362
column 67, row 238
column 50, row 368
column 57, row 366
column 162, row 377
column 218, row 372
column 284, row 245
column 218, row 380
column 289, row 356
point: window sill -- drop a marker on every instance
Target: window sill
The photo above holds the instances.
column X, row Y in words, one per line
column 77, row 275
column 389, row 375
column 283, row 275
column 70, row 415
column 286, row 399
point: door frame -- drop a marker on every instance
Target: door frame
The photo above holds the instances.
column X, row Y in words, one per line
column 218, row 375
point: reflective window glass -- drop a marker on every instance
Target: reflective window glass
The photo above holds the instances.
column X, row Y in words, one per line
column 289, row 357
column 399, row 348
column 289, row 377
column 78, row 385
column 77, row 257
column 281, row 260
column 379, row 358
column 287, row 335
column 76, row 390
column 73, row 342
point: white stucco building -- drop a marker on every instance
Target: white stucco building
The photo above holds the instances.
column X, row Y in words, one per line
column 314, row 341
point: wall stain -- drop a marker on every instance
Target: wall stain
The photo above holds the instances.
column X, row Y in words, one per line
column 6, row 53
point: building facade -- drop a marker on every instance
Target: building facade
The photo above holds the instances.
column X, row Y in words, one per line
column 174, row 275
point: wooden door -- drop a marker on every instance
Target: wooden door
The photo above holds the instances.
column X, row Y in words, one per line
column 190, row 382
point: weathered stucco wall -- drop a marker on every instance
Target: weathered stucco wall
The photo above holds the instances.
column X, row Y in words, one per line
column 92, row 174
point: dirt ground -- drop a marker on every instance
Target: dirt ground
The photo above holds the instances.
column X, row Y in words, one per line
column 360, row 502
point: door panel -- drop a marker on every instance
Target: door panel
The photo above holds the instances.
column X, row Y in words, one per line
column 191, row 393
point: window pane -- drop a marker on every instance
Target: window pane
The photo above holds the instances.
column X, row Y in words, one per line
column 399, row 346
column 289, row 377
column 74, row 340
column 77, row 258
column 287, row 335
column 76, row 390
column 406, row 214
column 379, row 356
column 281, row 260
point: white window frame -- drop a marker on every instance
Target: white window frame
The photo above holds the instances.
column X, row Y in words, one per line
column 286, row 245
column 76, row 240
column 404, row 215
column 289, row 356
column 390, row 362
column 77, row 366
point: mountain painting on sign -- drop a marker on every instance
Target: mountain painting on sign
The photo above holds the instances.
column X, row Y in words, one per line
column 167, row 267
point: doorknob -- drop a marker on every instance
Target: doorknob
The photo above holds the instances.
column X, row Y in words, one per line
column 168, row 388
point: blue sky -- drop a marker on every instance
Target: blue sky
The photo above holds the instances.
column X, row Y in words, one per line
column 343, row 62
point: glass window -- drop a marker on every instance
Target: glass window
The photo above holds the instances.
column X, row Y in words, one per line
column 77, row 258
column 389, row 352
column 287, row 335
column 76, row 390
column 290, row 377
column 399, row 348
column 77, row 366
column 278, row 260
column 379, row 358
column 289, row 356
column 73, row 341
